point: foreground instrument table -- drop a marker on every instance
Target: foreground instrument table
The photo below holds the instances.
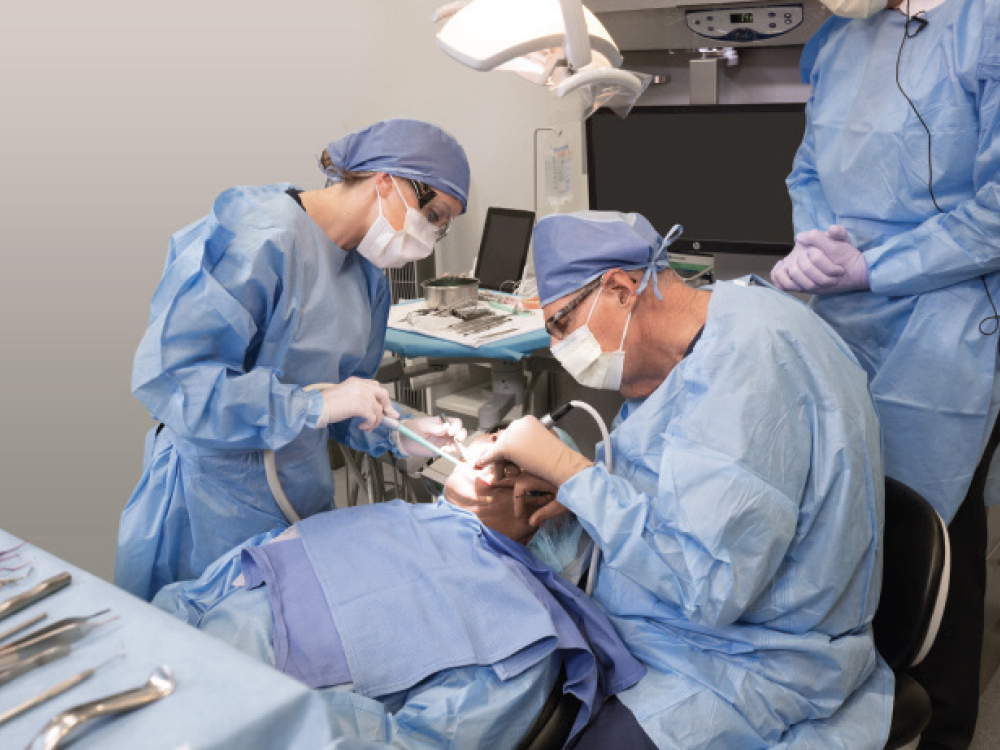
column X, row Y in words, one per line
column 222, row 698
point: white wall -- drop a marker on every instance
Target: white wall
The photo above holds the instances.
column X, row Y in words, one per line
column 119, row 126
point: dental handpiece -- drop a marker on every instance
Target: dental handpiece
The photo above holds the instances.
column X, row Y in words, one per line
column 550, row 419
column 407, row 432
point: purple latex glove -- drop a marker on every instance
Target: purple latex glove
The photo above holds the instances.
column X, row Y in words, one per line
column 822, row 263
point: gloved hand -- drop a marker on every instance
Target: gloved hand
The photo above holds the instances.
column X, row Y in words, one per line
column 355, row 397
column 822, row 263
column 505, row 506
column 434, row 431
column 536, row 450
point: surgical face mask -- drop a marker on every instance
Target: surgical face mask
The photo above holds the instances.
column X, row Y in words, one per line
column 855, row 8
column 582, row 357
column 386, row 247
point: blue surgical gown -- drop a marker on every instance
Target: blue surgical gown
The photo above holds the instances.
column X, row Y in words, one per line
column 863, row 164
column 740, row 531
column 256, row 302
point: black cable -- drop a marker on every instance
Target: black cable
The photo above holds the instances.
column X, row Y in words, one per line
column 984, row 328
column 994, row 318
column 907, row 35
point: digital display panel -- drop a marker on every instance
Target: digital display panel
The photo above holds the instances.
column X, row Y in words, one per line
column 741, row 18
column 717, row 170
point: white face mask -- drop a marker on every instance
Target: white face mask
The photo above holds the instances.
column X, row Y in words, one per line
column 386, row 247
column 855, row 8
column 582, row 357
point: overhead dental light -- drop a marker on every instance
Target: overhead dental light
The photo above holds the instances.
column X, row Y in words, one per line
column 555, row 43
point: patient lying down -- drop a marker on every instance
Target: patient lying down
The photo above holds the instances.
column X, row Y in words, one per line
column 435, row 617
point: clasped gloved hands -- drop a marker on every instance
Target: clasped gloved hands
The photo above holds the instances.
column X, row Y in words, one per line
column 355, row 397
column 434, row 430
column 822, row 263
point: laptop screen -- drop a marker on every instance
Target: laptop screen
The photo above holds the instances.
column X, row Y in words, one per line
column 504, row 248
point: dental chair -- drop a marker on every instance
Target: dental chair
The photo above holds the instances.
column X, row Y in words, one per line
column 551, row 728
column 916, row 568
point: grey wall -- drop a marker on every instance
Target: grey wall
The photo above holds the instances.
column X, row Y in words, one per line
column 119, row 126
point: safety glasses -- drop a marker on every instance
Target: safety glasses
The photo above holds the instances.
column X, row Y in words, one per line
column 556, row 325
column 425, row 194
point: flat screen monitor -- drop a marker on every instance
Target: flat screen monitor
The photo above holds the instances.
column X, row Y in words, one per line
column 719, row 171
column 504, row 248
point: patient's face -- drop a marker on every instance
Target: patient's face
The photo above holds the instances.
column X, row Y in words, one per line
column 473, row 490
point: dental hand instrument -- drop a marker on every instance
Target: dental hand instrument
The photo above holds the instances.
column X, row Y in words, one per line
column 61, row 726
column 23, row 626
column 495, row 334
column 16, row 603
column 405, row 431
column 52, row 692
column 24, row 666
column 64, row 632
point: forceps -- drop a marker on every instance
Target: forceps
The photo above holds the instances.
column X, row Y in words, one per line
column 159, row 685
column 23, row 666
column 62, row 633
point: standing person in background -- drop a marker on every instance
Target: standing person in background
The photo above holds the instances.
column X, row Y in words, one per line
column 275, row 290
column 897, row 204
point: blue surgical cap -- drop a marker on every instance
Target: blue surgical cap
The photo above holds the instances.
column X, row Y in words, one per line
column 571, row 250
column 412, row 149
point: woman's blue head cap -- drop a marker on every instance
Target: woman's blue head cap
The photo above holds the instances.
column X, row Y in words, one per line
column 412, row 149
column 571, row 250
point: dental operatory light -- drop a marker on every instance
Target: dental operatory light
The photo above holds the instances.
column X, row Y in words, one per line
column 555, row 43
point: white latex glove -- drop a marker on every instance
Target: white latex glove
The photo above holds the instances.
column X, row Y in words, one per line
column 355, row 397
column 435, row 431
column 534, row 449
column 822, row 263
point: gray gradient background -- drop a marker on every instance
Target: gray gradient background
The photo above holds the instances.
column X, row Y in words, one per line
column 119, row 126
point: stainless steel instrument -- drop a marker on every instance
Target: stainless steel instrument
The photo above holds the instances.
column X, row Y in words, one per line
column 60, row 727
column 23, row 600
column 52, row 692
column 34, row 661
column 62, row 633
column 11, row 632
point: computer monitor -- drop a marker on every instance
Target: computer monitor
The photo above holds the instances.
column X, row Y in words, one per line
column 717, row 170
column 504, row 248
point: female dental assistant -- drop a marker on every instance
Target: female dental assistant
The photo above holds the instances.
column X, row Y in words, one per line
column 277, row 289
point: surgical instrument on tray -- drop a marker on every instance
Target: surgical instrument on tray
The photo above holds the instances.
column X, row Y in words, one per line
column 15, row 579
column 502, row 332
column 50, row 586
column 23, row 626
column 24, row 666
column 480, row 325
column 61, row 633
column 61, row 726
column 52, row 692
column 407, row 432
